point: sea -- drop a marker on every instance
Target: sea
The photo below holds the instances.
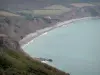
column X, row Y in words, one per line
column 74, row 48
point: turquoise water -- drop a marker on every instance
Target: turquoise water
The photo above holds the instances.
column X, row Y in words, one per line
column 74, row 49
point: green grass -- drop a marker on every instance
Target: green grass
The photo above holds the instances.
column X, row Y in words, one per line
column 47, row 12
column 16, row 63
column 42, row 12
column 51, row 10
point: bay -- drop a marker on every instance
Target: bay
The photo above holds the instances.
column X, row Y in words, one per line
column 74, row 49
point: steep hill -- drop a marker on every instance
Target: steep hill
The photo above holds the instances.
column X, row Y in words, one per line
column 15, row 62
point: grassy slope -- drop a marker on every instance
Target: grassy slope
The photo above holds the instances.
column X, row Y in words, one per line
column 5, row 13
column 50, row 10
column 15, row 63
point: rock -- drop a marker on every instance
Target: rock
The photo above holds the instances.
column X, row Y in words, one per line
column 7, row 42
column 50, row 60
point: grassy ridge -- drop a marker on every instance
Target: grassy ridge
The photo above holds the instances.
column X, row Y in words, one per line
column 50, row 10
column 5, row 13
column 16, row 63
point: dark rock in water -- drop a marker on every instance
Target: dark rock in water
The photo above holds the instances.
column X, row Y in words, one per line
column 44, row 59
column 50, row 60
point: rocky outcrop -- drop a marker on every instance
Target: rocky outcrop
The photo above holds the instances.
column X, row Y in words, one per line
column 7, row 42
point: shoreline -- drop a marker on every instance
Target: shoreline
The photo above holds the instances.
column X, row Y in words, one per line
column 30, row 37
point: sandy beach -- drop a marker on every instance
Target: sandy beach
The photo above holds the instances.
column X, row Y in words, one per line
column 30, row 37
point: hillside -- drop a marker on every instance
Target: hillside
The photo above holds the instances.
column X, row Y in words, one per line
column 18, row 27
column 4, row 13
column 15, row 62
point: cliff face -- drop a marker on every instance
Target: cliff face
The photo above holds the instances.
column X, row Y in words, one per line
column 18, row 27
column 7, row 42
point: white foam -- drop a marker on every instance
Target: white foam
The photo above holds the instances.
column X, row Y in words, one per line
column 44, row 61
